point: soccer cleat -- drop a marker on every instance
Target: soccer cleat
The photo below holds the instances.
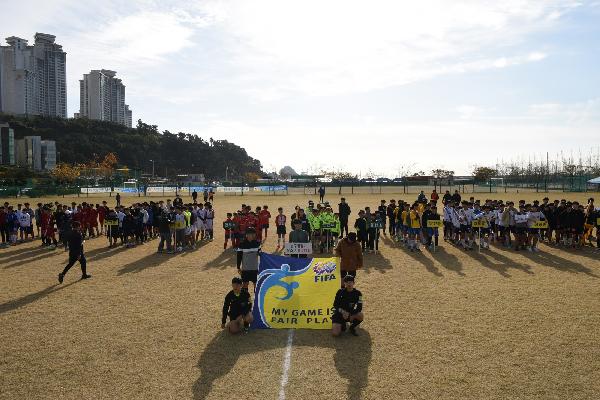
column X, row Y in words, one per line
column 86, row 276
column 61, row 277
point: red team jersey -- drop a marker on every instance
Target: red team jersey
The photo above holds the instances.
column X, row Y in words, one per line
column 252, row 221
column 263, row 217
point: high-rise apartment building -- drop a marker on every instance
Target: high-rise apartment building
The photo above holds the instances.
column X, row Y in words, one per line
column 33, row 78
column 102, row 97
column 128, row 117
column 7, row 145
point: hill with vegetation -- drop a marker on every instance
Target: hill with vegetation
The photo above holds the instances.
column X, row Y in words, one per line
column 80, row 140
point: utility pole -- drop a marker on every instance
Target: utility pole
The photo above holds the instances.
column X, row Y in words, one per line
column 152, row 168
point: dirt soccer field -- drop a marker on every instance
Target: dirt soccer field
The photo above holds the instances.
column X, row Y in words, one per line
column 448, row 325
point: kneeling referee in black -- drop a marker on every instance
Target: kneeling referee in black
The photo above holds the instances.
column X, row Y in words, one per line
column 75, row 241
column 238, row 307
column 347, row 308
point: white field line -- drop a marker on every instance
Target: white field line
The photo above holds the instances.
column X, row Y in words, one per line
column 287, row 361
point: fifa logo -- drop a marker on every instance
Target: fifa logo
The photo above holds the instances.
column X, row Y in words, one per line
column 324, row 271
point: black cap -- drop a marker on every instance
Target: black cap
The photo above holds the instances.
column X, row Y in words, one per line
column 349, row 278
column 297, row 221
column 250, row 230
column 237, row 280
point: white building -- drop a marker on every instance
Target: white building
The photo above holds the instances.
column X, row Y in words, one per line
column 102, row 97
column 33, row 78
column 48, row 154
column 34, row 153
column 28, row 152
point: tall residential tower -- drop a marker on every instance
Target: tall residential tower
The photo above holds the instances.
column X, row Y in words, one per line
column 33, row 78
column 102, row 97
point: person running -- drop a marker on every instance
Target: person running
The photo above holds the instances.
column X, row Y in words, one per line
column 75, row 253
column 248, row 259
column 347, row 308
column 238, row 307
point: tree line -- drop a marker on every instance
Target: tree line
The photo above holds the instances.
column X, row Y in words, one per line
column 79, row 141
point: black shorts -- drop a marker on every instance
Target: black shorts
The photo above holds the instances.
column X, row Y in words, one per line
column 465, row 228
column 338, row 318
column 249, row 276
column 534, row 231
column 520, row 230
column 265, row 226
column 229, row 236
column 235, row 315
column 281, row 229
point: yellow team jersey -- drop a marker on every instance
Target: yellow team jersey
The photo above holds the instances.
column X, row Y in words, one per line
column 415, row 220
column 405, row 217
column 421, row 207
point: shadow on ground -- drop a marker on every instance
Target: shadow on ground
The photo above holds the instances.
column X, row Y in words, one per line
column 33, row 297
column 150, row 261
column 224, row 350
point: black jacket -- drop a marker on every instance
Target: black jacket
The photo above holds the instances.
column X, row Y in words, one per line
column 344, row 211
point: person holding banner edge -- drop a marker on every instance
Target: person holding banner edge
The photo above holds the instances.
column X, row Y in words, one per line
column 347, row 307
column 298, row 236
column 238, row 307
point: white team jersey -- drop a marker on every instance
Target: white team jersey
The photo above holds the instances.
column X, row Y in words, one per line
column 120, row 216
column 511, row 217
column 455, row 218
column 448, row 211
column 24, row 219
column 499, row 216
column 463, row 216
column 209, row 217
column 521, row 219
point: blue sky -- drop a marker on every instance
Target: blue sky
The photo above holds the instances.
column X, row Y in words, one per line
column 378, row 87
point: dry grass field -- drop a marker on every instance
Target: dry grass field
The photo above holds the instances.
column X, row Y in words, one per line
column 444, row 325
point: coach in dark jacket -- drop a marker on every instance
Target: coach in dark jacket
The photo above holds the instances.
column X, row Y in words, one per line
column 344, row 212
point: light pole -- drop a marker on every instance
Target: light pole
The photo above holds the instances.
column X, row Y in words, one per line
column 152, row 161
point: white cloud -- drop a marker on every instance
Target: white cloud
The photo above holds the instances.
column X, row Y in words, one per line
column 338, row 47
column 568, row 113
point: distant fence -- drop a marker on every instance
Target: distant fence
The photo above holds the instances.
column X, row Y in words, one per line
column 575, row 184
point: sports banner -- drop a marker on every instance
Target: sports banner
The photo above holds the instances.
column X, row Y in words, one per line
column 295, row 292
